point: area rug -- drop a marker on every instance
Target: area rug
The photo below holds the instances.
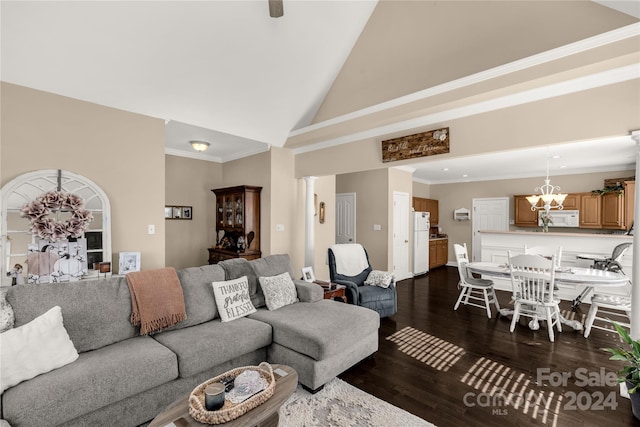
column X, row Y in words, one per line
column 339, row 404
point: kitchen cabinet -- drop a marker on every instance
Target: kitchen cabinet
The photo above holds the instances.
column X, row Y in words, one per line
column 438, row 252
column 523, row 215
column 617, row 207
column 590, row 210
column 612, row 211
column 571, row 202
column 421, row 204
column 612, row 215
column 629, row 200
column 237, row 223
column 432, row 208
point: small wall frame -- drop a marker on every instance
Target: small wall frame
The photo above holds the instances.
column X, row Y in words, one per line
column 178, row 212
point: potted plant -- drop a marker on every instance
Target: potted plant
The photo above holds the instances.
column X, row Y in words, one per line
column 629, row 374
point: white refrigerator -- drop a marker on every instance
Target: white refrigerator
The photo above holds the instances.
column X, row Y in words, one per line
column 421, row 225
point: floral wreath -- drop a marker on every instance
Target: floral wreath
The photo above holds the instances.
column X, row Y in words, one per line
column 52, row 229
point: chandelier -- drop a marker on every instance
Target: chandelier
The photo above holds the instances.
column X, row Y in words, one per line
column 547, row 195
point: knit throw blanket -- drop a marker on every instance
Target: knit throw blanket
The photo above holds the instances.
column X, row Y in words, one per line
column 351, row 259
column 157, row 301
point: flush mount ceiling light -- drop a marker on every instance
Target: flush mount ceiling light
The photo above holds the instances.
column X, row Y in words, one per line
column 199, row 146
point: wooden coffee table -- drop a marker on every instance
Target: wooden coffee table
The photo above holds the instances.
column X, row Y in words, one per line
column 265, row 415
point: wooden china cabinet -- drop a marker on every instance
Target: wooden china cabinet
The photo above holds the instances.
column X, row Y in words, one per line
column 237, row 223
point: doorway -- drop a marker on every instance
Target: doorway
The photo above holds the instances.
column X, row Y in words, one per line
column 346, row 218
column 488, row 214
column 401, row 208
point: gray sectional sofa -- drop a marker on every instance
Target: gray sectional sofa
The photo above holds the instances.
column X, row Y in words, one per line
column 124, row 379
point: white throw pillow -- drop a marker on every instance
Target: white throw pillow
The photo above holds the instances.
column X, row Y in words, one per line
column 379, row 278
column 6, row 312
column 278, row 290
column 232, row 298
column 35, row 348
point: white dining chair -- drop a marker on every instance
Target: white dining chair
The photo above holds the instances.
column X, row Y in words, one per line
column 607, row 308
column 545, row 252
column 533, row 280
column 473, row 291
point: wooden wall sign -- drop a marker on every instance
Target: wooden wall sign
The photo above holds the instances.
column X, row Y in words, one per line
column 417, row 145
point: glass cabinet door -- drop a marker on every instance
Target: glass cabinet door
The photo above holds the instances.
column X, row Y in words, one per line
column 228, row 211
column 238, row 204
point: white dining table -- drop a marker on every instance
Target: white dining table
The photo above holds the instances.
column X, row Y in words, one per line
column 571, row 276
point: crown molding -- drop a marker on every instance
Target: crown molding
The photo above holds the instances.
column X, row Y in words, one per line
column 217, row 159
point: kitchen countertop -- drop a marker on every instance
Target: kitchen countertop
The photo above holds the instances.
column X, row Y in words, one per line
column 551, row 233
column 438, row 238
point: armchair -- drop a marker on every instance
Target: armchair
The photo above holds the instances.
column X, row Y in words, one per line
column 349, row 266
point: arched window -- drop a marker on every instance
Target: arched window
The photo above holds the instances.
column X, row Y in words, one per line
column 18, row 242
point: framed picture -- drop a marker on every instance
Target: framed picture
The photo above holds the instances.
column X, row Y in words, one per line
column 128, row 262
column 307, row 274
column 178, row 212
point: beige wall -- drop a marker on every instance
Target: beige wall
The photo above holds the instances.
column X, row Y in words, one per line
column 121, row 152
column 372, row 207
column 189, row 183
column 325, row 234
column 421, row 190
column 608, row 111
column 453, row 196
column 401, row 33
column 282, row 203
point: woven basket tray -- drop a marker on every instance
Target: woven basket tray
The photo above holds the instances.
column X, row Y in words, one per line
column 230, row 411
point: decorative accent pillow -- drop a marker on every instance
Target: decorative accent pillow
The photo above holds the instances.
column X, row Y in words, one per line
column 232, row 298
column 7, row 317
column 35, row 348
column 278, row 290
column 379, row 278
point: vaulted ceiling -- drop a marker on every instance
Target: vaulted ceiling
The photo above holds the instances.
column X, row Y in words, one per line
column 227, row 73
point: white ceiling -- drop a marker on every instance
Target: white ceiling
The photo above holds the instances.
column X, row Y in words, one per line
column 223, row 65
column 227, row 73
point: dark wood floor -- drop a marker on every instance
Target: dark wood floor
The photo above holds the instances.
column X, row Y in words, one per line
column 457, row 368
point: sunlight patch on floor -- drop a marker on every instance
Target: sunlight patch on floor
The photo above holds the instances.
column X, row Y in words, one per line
column 433, row 351
column 572, row 315
column 500, row 387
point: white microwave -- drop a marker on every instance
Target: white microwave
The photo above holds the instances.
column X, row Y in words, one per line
column 562, row 218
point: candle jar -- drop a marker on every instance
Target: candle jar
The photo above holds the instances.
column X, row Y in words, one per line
column 214, row 396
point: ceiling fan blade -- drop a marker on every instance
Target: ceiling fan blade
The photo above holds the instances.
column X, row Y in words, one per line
column 276, row 8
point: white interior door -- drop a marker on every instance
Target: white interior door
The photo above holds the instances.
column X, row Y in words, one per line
column 401, row 210
column 488, row 214
column 345, row 218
